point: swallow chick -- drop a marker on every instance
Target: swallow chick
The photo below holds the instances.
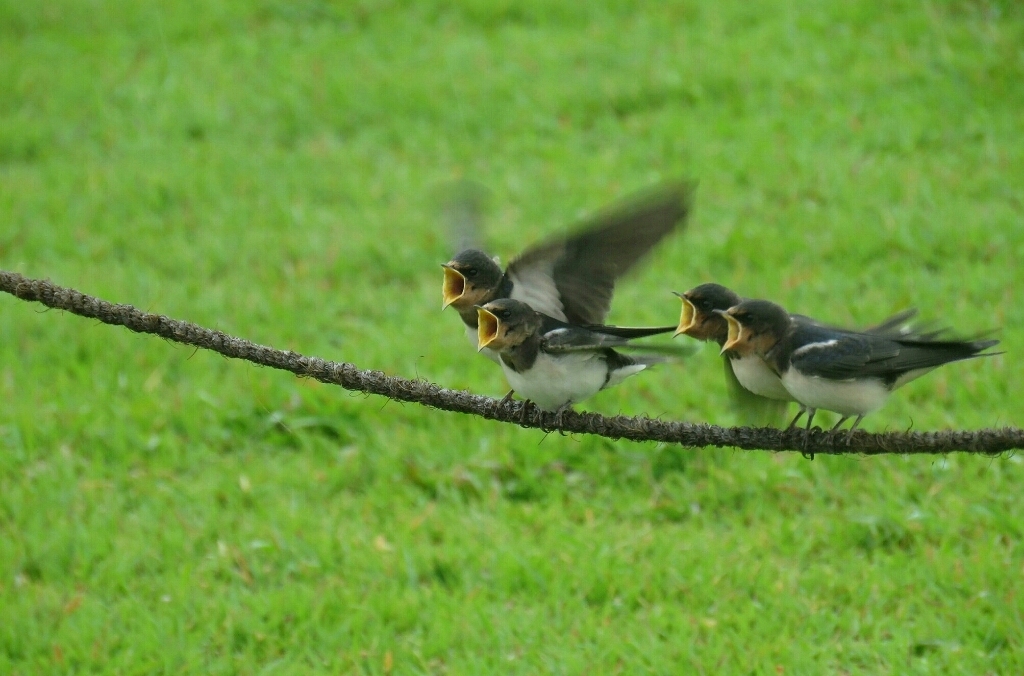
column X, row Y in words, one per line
column 555, row 364
column 570, row 279
column 755, row 388
column 848, row 372
column 753, row 384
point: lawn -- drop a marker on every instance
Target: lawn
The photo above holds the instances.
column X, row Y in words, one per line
column 272, row 169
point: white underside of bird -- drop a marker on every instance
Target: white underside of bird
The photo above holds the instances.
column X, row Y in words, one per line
column 845, row 397
column 756, row 376
column 553, row 382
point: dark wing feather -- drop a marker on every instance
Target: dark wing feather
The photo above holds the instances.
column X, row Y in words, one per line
column 583, row 267
column 462, row 204
column 893, row 327
column 839, row 356
column 629, row 331
column 926, row 354
column 843, row 355
column 896, row 325
column 567, row 338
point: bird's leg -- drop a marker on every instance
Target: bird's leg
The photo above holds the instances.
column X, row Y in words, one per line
column 799, row 414
column 849, row 434
column 504, row 400
column 522, row 412
column 840, row 423
column 560, row 414
column 807, row 437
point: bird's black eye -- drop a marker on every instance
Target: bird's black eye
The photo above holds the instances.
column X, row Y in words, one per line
column 705, row 305
column 504, row 314
column 470, row 272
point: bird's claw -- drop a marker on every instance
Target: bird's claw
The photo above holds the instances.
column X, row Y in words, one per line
column 503, row 401
column 523, row 413
column 560, row 417
column 805, row 454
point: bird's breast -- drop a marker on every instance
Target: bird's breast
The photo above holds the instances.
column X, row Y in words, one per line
column 556, row 380
column 848, row 397
column 756, row 376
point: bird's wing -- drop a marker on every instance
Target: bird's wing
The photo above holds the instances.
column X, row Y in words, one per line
column 629, row 331
column 567, row 338
column 576, row 275
column 896, row 325
column 578, row 339
column 856, row 355
column 840, row 355
column 534, row 284
column 927, row 354
column 893, row 327
column 462, row 204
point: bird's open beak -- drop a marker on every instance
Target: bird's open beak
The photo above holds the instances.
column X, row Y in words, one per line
column 486, row 328
column 735, row 332
column 688, row 317
column 454, row 285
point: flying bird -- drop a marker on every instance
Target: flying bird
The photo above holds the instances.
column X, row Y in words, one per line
column 572, row 278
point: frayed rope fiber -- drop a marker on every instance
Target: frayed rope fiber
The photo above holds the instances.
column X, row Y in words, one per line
column 640, row 428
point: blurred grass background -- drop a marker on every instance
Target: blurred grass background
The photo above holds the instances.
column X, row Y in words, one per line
column 270, row 168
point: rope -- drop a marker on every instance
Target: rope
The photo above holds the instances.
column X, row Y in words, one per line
column 422, row 392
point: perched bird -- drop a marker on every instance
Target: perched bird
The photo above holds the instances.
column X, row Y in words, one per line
column 755, row 389
column 752, row 383
column 571, row 278
column 848, row 372
column 555, row 364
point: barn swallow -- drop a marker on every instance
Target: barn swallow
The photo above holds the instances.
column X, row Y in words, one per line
column 752, row 383
column 570, row 279
column 848, row 372
column 555, row 364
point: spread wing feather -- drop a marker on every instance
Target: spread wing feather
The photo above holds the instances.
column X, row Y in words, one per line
column 576, row 274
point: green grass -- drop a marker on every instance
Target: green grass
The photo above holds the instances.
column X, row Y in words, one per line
column 269, row 169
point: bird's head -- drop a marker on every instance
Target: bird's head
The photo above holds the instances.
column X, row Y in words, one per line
column 754, row 327
column 505, row 323
column 471, row 278
column 699, row 319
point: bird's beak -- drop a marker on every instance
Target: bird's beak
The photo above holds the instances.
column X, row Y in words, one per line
column 454, row 285
column 735, row 331
column 486, row 328
column 688, row 318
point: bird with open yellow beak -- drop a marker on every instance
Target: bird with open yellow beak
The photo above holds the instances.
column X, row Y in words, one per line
column 848, row 372
column 555, row 364
column 753, row 385
column 570, row 279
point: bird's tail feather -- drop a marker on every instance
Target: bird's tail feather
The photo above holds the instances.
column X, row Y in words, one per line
column 663, row 352
column 916, row 354
column 629, row 332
